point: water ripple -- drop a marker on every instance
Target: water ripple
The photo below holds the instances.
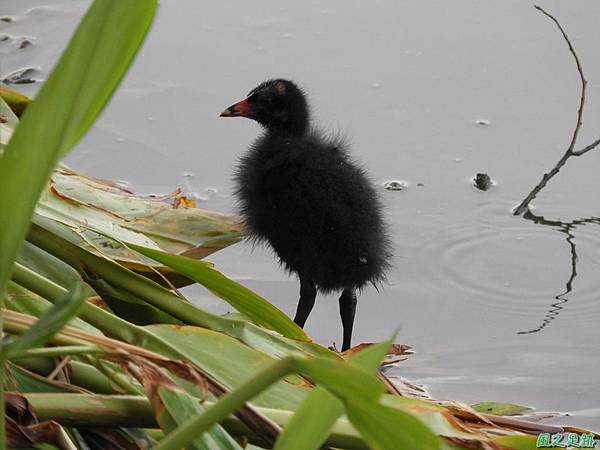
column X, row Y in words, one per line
column 522, row 265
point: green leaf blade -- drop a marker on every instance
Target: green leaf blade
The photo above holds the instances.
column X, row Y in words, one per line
column 79, row 87
column 51, row 322
column 241, row 298
column 309, row 431
column 181, row 407
column 385, row 428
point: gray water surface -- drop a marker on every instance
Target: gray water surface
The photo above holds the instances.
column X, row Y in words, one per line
column 429, row 93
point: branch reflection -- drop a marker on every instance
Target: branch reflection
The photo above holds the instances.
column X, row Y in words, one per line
column 568, row 229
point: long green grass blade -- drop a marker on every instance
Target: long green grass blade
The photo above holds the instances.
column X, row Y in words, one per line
column 80, row 85
column 153, row 293
column 345, row 380
column 46, row 265
column 185, row 433
column 341, row 378
column 240, row 297
column 22, row 300
column 227, row 360
column 128, row 306
column 50, row 323
column 309, row 431
column 385, row 428
column 181, row 407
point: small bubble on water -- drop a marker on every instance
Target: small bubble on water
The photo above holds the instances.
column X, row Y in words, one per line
column 375, row 85
column 259, row 48
column 394, row 185
column 483, row 122
column 458, row 160
column 286, row 35
column 188, row 175
column 121, row 140
column 210, row 190
column 150, row 118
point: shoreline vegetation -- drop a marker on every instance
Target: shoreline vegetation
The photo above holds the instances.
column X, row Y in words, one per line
column 100, row 348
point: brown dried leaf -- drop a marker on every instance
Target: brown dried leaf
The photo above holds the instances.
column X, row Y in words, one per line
column 96, row 300
column 490, row 422
column 109, row 439
column 151, row 374
column 19, row 409
column 395, row 349
column 24, row 430
column 183, row 201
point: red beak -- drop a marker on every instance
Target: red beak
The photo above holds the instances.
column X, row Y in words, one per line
column 240, row 109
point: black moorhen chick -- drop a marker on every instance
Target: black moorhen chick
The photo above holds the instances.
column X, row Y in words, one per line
column 301, row 192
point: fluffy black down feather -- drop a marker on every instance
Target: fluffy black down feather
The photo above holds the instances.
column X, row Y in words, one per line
column 315, row 207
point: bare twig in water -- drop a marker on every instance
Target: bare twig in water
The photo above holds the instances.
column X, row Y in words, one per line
column 561, row 300
column 569, row 152
column 567, row 228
